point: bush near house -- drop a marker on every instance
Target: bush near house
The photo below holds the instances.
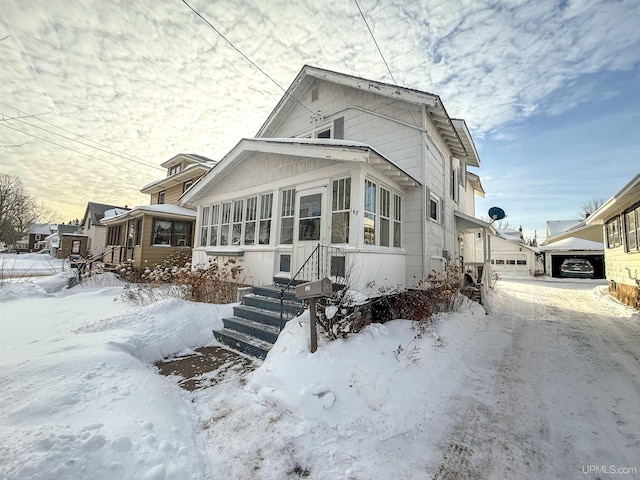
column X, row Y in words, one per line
column 438, row 293
column 175, row 277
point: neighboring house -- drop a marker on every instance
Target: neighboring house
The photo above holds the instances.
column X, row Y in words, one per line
column 149, row 234
column 91, row 227
column 511, row 256
column 52, row 242
column 572, row 239
column 183, row 170
column 34, row 241
column 619, row 220
column 373, row 173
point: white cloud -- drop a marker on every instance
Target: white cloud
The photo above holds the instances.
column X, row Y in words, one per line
column 154, row 80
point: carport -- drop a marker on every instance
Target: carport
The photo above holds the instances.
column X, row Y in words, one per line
column 557, row 252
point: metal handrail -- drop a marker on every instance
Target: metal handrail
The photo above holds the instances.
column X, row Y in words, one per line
column 316, row 251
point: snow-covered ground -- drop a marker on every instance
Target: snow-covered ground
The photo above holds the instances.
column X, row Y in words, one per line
column 545, row 386
column 18, row 266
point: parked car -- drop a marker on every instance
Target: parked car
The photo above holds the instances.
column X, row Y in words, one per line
column 576, row 268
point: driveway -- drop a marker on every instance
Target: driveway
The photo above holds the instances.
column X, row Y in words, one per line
column 555, row 390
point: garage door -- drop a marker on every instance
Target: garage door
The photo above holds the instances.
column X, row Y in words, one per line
column 511, row 265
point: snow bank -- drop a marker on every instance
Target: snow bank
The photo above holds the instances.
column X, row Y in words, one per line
column 80, row 398
column 346, row 410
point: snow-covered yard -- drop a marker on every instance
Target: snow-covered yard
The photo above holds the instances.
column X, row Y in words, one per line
column 545, row 386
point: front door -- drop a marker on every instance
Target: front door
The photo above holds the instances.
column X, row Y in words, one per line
column 309, row 228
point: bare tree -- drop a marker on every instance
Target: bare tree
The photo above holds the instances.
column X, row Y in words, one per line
column 590, row 207
column 18, row 210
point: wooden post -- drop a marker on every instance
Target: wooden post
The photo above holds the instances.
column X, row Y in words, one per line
column 312, row 324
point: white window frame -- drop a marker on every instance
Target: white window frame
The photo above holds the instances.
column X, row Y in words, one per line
column 314, row 133
column 341, row 206
column 287, row 212
column 397, row 221
column 370, row 212
column 205, row 217
column 266, row 214
column 433, row 198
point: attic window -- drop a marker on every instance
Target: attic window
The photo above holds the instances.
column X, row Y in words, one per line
column 314, row 94
column 175, row 169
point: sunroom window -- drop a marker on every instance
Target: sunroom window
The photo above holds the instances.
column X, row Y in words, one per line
column 250, row 217
column 264, row 236
column 340, row 210
column 286, row 216
column 236, row 234
column 204, row 230
column 369, row 212
column 225, row 223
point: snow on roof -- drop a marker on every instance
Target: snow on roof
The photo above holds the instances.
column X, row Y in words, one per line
column 315, row 141
column 114, row 212
column 165, row 208
column 41, row 229
column 574, row 243
column 556, row 227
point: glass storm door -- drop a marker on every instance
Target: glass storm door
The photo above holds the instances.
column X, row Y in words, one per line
column 310, row 225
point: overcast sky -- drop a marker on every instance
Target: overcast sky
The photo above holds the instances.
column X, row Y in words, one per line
column 549, row 89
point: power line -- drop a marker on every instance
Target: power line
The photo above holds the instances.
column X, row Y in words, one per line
column 67, row 148
column 119, row 153
column 393, row 78
column 314, row 114
column 87, row 145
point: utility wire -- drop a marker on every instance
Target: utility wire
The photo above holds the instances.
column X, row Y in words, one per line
column 111, row 150
column 68, row 148
column 87, row 145
column 314, row 114
column 422, row 134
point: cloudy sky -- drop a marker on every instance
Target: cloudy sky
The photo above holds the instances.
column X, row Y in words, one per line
column 550, row 89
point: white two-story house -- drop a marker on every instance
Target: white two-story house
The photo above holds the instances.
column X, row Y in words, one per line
column 373, row 173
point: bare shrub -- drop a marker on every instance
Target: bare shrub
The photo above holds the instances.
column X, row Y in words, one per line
column 439, row 292
column 213, row 283
column 175, row 277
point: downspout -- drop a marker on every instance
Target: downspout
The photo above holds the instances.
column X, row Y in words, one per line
column 423, row 209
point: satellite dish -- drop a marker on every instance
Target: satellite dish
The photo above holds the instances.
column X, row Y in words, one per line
column 496, row 213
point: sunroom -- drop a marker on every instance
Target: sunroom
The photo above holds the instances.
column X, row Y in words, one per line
column 275, row 203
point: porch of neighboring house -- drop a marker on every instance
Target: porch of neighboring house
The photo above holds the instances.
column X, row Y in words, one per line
column 146, row 236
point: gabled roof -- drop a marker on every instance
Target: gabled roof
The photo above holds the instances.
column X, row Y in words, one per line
column 325, row 148
column 450, row 133
column 627, row 197
column 189, row 173
column 96, row 212
column 556, row 227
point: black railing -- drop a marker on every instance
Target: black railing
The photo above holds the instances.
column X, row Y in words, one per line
column 324, row 261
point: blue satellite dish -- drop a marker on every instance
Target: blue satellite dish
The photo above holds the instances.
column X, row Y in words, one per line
column 496, row 213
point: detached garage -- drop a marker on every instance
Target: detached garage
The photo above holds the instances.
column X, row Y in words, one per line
column 559, row 251
column 510, row 258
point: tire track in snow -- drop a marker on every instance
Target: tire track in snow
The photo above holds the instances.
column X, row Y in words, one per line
column 563, row 394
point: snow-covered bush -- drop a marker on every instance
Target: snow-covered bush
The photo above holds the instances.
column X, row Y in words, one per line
column 175, row 277
column 439, row 292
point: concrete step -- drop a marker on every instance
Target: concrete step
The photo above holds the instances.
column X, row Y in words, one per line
column 268, row 333
column 244, row 343
column 273, row 291
column 272, row 304
column 260, row 315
